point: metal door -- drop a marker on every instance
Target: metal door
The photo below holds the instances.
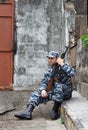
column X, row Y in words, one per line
column 6, row 43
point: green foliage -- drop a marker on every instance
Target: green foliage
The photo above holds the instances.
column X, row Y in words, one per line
column 62, row 118
column 84, row 39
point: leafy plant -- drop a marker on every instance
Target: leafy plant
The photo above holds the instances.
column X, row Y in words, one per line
column 62, row 118
column 84, row 39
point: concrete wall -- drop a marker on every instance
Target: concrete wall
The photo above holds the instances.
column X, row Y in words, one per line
column 69, row 18
column 82, row 69
column 82, row 52
column 39, row 28
column 42, row 26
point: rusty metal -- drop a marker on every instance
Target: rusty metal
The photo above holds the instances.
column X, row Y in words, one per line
column 6, row 66
column 6, row 43
column 6, row 34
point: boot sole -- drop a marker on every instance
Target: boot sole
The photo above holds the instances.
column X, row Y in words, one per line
column 23, row 118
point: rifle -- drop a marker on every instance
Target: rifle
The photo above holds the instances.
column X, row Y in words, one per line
column 53, row 78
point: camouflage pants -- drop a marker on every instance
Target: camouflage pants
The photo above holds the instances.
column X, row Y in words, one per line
column 59, row 93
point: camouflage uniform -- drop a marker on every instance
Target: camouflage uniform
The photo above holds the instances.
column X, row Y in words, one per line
column 61, row 90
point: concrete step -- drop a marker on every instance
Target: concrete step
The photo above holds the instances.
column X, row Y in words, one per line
column 74, row 113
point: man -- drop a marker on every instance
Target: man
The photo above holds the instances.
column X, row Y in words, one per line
column 61, row 88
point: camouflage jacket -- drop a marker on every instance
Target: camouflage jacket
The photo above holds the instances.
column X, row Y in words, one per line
column 64, row 74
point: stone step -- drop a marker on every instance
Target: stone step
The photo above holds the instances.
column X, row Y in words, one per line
column 74, row 113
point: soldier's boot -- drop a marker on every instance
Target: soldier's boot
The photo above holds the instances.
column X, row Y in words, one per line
column 56, row 111
column 27, row 114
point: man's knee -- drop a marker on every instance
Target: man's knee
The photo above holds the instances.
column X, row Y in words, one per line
column 58, row 98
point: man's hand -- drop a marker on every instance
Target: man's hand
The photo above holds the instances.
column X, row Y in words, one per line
column 60, row 61
column 44, row 93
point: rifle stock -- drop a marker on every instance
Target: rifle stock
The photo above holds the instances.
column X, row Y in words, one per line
column 49, row 87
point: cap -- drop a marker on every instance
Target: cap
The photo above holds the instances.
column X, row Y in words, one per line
column 53, row 54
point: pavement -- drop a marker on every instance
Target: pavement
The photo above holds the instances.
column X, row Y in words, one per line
column 74, row 113
column 12, row 102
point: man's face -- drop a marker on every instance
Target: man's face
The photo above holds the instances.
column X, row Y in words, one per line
column 52, row 61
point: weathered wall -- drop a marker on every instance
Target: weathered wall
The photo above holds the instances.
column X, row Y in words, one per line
column 39, row 27
column 69, row 17
column 82, row 52
column 82, row 69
